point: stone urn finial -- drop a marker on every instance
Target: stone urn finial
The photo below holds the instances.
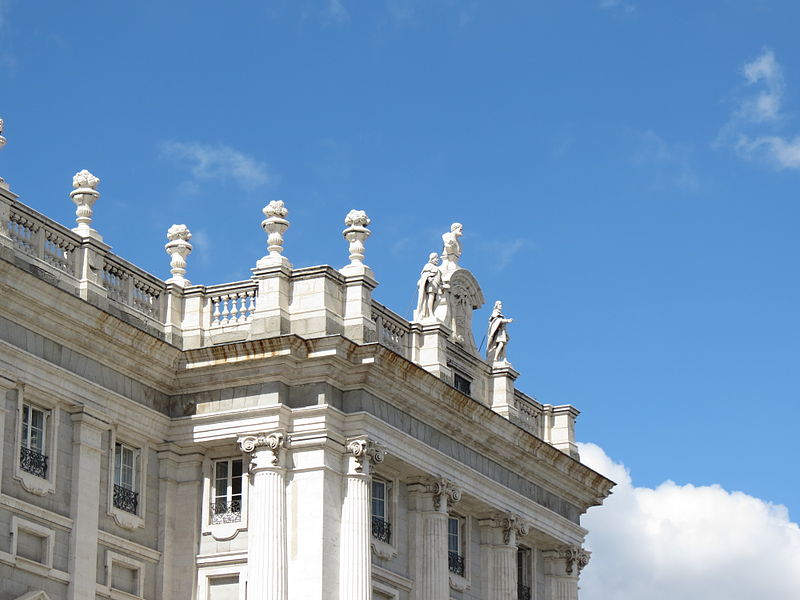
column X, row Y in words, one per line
column 84, row 196
column 356, row 233
column 178, row 248
column 2, row 143
column 274, row 226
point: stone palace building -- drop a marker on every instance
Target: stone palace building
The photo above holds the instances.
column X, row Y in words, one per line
column 286, row 437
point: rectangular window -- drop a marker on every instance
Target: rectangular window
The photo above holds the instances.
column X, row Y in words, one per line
column 31, row 546
column 32, row 458
column 125, row 578
column 226, row 504
column 524, row 574
column 462, row 384
column 455, row 554
column 223, row 588
column 381, row 527
column 126, row 466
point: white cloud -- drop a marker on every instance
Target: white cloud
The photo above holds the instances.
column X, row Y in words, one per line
column 207, row 162
column 617, row 5
column 504, row 251
column 670, row 162
column 755, row 129
column 687, row 542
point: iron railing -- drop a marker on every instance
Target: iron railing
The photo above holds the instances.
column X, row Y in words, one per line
column 125, row 499
column 381, row 530
column 456, row 563
column 523, row 592
column 226, row 511
column 33, row 462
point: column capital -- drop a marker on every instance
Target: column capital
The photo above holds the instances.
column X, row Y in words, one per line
column 573, row 556
column 444, row 492
column 366, row 454
column 272, row 444
column 510, row 525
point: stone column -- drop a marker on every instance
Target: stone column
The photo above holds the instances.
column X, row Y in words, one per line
column 266, row 532
column 499, row 556
column 355, row 573
column 87, row 452
column 431, row 500
column 562, row 567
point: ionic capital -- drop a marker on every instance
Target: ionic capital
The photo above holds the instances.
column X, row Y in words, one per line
column 271, row 446
column 444, row 489
column 573, row 556
column 366, row 453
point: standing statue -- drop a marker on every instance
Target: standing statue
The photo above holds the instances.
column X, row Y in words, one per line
column 452, row 247
column 429, row 288
column 497, row 338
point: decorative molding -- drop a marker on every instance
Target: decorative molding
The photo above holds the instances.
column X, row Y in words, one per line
column 513, row 525
column 572, row 555
column 383, row 550
column 444, row 488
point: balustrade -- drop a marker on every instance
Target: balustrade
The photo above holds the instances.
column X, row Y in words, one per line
column 392, row 329
column 233, row 307
column 226, row 511
column 455, row 562
column 381, row 530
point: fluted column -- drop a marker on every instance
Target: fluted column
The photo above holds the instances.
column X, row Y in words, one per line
column 432, row 500
column 562, row 569
column 355, row 574
column 499, row 555
column 266, row 560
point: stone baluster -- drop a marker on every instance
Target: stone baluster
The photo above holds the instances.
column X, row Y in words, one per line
column 499, row 556
column 562, row 568
column 431, row 500
column 274, row 226
column 178, row 248
column 84, row 196
column 266, row 562
column 355, row 581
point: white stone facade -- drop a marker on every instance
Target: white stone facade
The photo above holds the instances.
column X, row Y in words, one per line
column 284, row 438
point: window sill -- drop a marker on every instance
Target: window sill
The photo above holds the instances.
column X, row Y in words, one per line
column 125, row 519
column 225, row 531
column 458, row 583
column 33, row 484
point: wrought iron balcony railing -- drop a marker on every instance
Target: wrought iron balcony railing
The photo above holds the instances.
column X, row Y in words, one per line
column 33, row 462
column 125, row 499
column 224, row 511
column 381, row 530
column 456, row 563
column 523, row 592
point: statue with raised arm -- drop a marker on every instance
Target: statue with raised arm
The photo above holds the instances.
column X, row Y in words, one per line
column 429, row 288
column 497, row 337
column 451, row 251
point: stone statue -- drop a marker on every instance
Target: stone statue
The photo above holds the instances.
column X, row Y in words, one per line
column 452, row 247
column 497, row 338
column 429, row 288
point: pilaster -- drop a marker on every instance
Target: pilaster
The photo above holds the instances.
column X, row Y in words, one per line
column 431, row 500
column 266, row 562
column 562, row 567
column 499, row 556
column 180, row 481
column 85, row 504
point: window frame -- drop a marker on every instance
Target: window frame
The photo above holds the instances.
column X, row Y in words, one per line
column 40, row 486
column 205, row 575
column 140, row 451
column 459, row 581
column 525, row 563
column 386, row 550
column 47, row 534
column 223, row 531
column 228, row 496
column 126, row 561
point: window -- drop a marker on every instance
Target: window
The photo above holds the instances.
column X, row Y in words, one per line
column 381, row 527
column 524, row 574
column 126, row 461
column 125, row 574
column 223, row 588
column 32, row 458
column 32, row 541
column 226, row 494
column 462, row 384
column 455, row 554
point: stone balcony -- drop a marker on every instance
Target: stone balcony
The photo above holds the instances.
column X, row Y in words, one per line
column 309, row 302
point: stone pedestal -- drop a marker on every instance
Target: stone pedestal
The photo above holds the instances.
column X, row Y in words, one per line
column 87, row 452
column 358, row 323
column 559, row 428
column 501, row 389
column 430, row 347
column 355, row 574
column 271, row 317
column 91, row 260
column 266, row 561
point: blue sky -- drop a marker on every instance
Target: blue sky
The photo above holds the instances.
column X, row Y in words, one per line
column 626, row 172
